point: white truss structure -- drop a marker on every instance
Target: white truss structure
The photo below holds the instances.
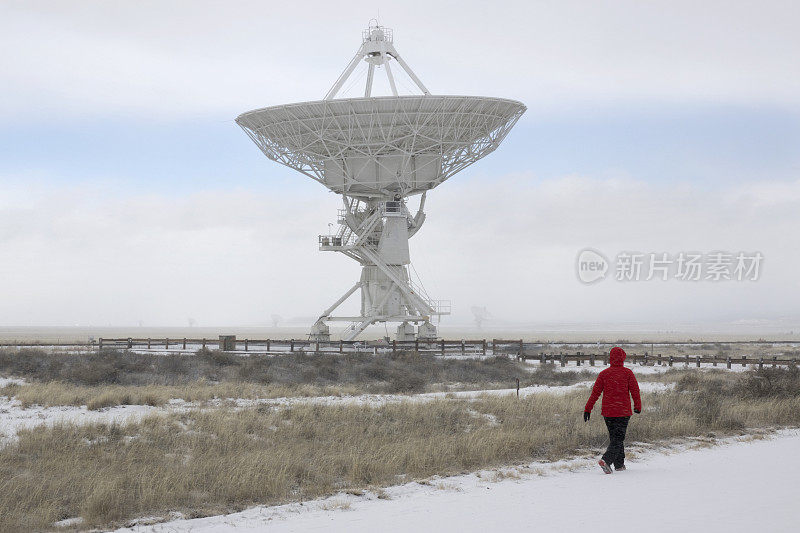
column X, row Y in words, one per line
column 376, row 49
column 375, row 147
column 375, row 152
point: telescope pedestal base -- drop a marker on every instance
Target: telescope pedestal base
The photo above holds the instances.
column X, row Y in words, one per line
column 320, row 331
column 405, row 332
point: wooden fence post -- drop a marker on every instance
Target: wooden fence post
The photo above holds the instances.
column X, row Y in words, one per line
column 184, row 343
column 204, row 343
column 463, row 347
column 578, row 357
column 394, row 346
column 268, row 344
column 698, row 361
column 687, row 360
column 591, row 360
column 761, row 363
column 563, row 361
column 521, row 350
column 316, row 347
column 341, row 346
column 542, row 358
column 774, row 362
column 247, row 345
column 442, row 346
column 728, row 361
column 744, row 360
column 166, row 343
column 484, row 346
column 659, row 360
column 291, row 345
column 100, row 343
column 416, row 345
column 517, row 387
column 670, row 360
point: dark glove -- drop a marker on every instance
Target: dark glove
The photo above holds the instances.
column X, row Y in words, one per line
column 637, row 411
column 586, row 416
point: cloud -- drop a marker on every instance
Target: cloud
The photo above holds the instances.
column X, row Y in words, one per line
column 221, row 58
column 511, row 244
column 86, row 254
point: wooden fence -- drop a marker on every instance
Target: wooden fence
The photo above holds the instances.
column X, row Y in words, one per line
column 441, row 347
column 644, row 359
column 516, row 348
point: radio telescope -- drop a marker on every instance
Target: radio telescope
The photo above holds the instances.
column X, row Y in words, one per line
column 480, row 314
column 376, row 152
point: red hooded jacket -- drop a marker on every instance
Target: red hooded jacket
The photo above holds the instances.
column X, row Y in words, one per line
column 617, row 384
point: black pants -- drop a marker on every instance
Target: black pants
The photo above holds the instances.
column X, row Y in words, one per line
column 617, row 426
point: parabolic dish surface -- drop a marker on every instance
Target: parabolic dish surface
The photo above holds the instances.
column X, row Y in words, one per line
column 381, row 146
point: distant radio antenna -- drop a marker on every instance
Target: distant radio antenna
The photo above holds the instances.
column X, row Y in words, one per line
column 376, row 152
column 480, row 315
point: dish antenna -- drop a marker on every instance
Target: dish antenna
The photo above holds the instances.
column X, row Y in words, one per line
column 376, row 152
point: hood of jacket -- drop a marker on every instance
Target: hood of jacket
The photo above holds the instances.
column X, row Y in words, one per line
column 617, row 356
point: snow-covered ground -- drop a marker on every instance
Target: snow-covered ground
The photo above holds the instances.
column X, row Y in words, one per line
column 11, row 381
column 14, row 417
column 739, row 485
column 380, row 399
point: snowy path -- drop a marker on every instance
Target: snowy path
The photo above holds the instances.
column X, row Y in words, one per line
column 738, row 486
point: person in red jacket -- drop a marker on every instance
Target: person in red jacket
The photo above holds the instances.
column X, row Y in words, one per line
column 617, row 384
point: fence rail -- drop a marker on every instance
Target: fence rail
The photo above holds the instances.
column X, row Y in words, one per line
column 516, row 348
column 660, row 360
column 229, row 343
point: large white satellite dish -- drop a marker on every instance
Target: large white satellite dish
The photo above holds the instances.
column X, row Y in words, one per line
column 375, row 152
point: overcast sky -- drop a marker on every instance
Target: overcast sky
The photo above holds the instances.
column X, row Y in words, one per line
column 128, row 194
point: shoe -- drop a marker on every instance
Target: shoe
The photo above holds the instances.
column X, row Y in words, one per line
column 619, row 468
column 604, row 466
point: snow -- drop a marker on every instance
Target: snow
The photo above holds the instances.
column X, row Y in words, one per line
column 381, row 399
column 743, row 484
column 69, row 522
column 11, row 381
column 13, row 416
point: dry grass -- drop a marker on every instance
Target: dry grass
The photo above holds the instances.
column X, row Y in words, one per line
column 56, row 393
column 120, row 378
column 219, row 460
column 401, row 372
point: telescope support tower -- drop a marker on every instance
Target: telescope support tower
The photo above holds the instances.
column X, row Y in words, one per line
column 375, row 233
